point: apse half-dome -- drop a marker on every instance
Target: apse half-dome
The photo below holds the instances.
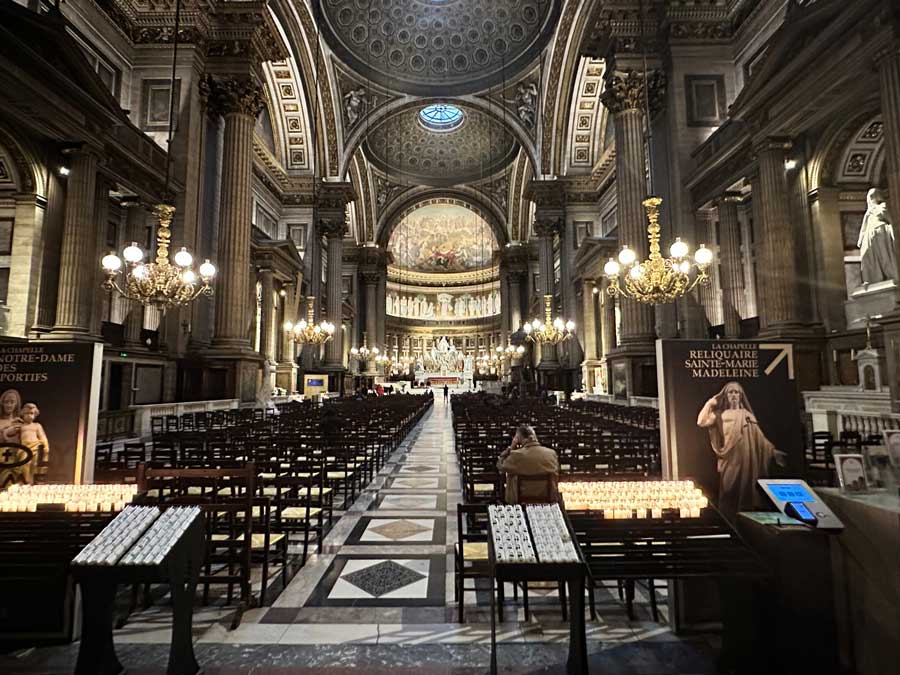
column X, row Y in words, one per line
column 441, row 238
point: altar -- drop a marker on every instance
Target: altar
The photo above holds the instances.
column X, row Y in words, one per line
column 443, row 365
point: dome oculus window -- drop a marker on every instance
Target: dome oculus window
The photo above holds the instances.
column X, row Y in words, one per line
column 441, row 117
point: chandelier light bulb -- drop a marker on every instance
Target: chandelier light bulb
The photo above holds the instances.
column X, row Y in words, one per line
column 288, row 326
column 679, row 249
column 133, row 253
column 375, row 351
column 570, row 326
column 111, row 262
column 527, row 328
column 329, row 328
column 301, row 325
column 611, row 268
column 520, row 349
column 183, row 258
column 354, row 351
column 558, row 323
column 703, row 256
column 140, row 272
column 627, row 256
column 188, row 276
column 636, row 272
column 207, row 270
column 684, row 266
column 317, row 329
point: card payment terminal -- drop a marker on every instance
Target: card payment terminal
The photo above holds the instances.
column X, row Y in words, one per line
column 795, row 499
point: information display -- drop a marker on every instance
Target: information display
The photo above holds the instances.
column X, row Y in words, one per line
column 794, row 498
column 791, row 492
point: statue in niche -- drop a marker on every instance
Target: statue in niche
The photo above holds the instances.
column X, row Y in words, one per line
column 478, row 306
column 355, row 105
column 876, row 241
column 428, row 312
column 404, row 306
column 526, row 98
column 472, row 307
column 390, row 304
column 444, row 301
column 459, row 308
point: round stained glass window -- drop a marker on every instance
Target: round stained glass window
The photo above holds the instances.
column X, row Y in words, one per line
column 441, row 117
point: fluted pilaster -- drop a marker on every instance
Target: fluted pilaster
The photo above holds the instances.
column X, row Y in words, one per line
column 267, row 315
column 79, row 258
column 731, row 271
column 589, row 322
column 778, row 264
column 607, row 324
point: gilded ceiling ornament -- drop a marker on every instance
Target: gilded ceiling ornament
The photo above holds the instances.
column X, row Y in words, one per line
column 625, row 91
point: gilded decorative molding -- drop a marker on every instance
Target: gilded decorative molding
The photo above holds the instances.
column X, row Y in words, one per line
column 231, row 95
column 626, row 90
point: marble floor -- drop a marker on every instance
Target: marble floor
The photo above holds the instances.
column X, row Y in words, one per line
column 380, row 599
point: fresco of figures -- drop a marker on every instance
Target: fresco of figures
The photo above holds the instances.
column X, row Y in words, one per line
column 444, row 306
column 442, row 238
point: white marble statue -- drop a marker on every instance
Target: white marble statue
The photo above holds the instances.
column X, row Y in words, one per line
column 472, row 312
column 390, row 304
column 459, row 309
column 428, row 313
column 404, row 306
column 876, row 241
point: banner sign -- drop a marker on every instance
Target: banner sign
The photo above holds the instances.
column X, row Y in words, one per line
column 49, row 397
column 729, row 414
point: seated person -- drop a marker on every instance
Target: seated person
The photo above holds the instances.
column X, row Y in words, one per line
column 526, row 457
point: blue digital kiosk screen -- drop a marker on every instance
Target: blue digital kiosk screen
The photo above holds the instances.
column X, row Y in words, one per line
column 790, row 492
column 315, row 383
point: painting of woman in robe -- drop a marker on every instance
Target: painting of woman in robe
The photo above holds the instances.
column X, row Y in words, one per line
column 743, row 452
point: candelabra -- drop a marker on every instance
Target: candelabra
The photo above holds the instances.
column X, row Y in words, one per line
column 550, row 331
column 161, row 283
column 307, row 331
column 509, row 352
column 657, row 280
column 364, row 353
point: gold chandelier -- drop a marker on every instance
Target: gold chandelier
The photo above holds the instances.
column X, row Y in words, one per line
column 509, row 352
column 162, row 283
column 307, row 331
column 549, row 331
column 363, row 353
column 657, row 280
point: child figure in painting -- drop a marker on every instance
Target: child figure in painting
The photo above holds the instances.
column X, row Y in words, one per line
column 34, row 438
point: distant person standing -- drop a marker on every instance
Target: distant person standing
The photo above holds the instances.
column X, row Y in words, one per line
column 446, row 392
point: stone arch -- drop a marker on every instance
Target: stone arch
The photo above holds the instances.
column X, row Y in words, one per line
column 26, row 172
column 850, row 136
column 300, row 28
column 466, row 195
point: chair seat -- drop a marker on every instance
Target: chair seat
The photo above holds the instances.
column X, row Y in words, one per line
column 337, row 475
column 474, row 550
column 258, row 540
column 484, row 487
column 299, row 512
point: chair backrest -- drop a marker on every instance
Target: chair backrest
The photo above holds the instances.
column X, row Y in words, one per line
column 536, row 489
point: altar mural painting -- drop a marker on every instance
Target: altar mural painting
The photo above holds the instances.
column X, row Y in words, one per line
column 442, row 238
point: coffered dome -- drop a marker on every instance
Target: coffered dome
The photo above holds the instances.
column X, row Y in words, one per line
column 429, row 47
column 440, row 145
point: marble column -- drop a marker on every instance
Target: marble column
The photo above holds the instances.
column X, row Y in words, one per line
column 731, row 271
column 267, row 315
column 546, row 230
column 888, row 64
column 371, row 282
column 624, row 97
column 239, row 101
column 589, row 321
column 778, row 263
column 334, row 231
column 78, row 257
column 758, row 234
column 515, row 301
column 608, row 340
column 136, row 223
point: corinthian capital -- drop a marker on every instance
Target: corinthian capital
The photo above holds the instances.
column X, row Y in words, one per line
column 227, row 95
column 625, row 90
column 333, row 228
column 547, row 227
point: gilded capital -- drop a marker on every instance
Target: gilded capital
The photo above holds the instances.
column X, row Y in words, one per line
column 229, row 95
column 625, row 90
